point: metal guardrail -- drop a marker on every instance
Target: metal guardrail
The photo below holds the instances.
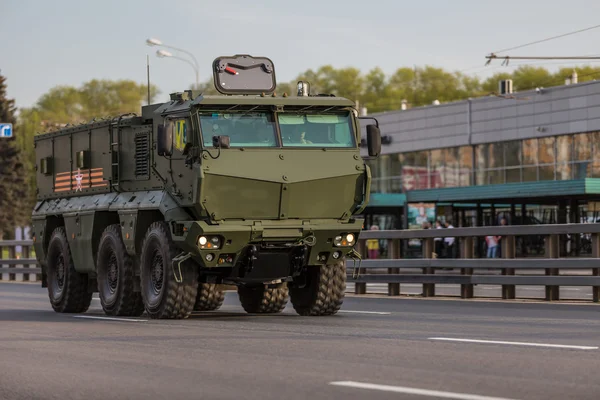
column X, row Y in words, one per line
column 20, row 267
column 473, row 271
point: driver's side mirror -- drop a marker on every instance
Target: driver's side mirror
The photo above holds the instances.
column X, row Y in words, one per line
column 164, row 140
column 373, row 140
column 222, row 142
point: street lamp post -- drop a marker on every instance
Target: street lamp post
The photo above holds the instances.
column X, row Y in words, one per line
column 164, row 53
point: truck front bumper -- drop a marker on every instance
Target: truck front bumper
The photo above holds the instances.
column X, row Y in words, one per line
column 222, row 245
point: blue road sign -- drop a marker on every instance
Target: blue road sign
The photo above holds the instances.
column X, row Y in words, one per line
column 6, row 130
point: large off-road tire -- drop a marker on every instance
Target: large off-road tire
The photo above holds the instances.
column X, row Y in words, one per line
column 209, row 297
column 116, row 276
column 263, row 300
column 67, row 288
column 163, row 296
column 324, row 290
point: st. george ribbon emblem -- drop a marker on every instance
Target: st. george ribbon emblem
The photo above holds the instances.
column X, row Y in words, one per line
column 78, row 178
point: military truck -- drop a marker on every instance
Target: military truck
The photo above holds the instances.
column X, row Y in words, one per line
column 157, row 212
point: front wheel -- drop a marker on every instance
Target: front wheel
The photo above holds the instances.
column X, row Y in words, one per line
column 163, row 296
column 324, row 291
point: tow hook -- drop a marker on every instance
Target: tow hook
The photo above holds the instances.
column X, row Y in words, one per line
column 249, row 261
column 177, row 261
column 355, row 255
column 298, row 261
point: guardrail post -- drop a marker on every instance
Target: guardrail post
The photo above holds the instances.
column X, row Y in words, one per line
column 428, row 249
column 12, row 253
column 467, row 251
column 3, row 276
column 596, row 271
column 394, row 246
column 508, row 251
column 361, row 287
column 26, row 253
column 552, row 251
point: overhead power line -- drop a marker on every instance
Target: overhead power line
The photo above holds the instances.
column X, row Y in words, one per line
column 506, row 59
column 546, row 39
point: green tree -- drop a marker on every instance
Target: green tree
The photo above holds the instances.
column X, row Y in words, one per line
column 94, row 99
column 584, row 74
column 377, row 91
column 28, row 124
column 403, row 86
column 14, row 207
column 527, row 77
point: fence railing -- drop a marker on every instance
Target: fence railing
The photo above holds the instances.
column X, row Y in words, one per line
column 468, row 271
column 19, row 265
column 551, row 271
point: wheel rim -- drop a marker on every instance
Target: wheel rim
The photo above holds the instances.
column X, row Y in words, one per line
column 59, row 275
column 112, row 273
column 157, row 273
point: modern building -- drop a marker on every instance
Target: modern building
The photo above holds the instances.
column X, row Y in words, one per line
column 534, row 154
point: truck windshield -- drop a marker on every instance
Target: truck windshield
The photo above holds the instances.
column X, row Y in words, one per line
column 253, row 129
column 316, row 130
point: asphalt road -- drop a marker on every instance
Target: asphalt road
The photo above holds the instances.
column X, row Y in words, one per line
column 377, row 348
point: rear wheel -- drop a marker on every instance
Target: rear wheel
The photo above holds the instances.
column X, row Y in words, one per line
column 209, row 297
column 163, row 296
column 324, row 291
column 116, row 275
column 67, row 288
column 263, row 300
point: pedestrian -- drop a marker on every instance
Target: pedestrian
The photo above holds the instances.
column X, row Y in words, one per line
column 373, row 244
column 503, row 222
column 438, row 244
column 449, row 241
column 492, row 246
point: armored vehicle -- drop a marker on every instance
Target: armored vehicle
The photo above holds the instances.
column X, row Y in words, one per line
column 249, row 189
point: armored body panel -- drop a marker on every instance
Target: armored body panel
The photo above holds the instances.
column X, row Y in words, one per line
column 98, row 157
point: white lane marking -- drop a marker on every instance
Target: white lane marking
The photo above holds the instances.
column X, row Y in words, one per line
column 110, row 318
column 365, row 312
column 416, row 391
column 562, row 346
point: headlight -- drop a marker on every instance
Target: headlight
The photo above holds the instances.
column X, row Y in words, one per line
column 346, row 239
column 209, row 242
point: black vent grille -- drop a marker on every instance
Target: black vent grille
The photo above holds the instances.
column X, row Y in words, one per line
column 142, row 153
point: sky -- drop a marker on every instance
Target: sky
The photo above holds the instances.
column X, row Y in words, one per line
column 44, row 44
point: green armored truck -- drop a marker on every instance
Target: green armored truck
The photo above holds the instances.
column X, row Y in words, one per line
column 249, row 188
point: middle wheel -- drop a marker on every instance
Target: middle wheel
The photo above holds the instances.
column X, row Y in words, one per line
column 263, row 300
column 116, row 276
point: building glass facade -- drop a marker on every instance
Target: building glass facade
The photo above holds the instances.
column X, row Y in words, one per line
column 563, row 157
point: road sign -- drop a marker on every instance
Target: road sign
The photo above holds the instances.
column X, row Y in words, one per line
column 6, row 130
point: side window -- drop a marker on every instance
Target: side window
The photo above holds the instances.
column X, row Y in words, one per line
column 181, row 133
